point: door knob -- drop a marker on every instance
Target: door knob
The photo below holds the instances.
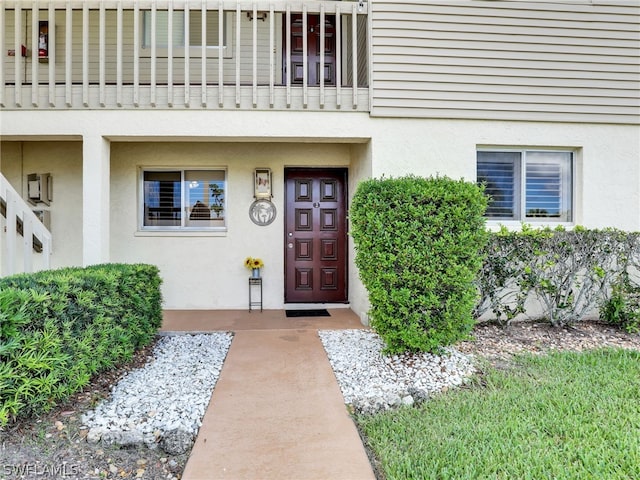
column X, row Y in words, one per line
column 290, row 245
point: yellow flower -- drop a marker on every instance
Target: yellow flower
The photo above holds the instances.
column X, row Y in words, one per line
column 257, row 263
column 251, row 263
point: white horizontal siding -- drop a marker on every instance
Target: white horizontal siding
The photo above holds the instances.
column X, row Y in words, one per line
column 507, row 60
column 9, row 39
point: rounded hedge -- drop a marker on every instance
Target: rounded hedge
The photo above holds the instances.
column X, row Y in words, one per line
column 418, row 243
column 60, row 327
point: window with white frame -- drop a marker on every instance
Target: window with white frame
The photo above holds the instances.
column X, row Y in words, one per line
column 179, row 29
column 527, row 185
column 183, row 199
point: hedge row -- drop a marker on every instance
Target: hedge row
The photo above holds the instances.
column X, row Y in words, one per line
column 569, row 274
column 60, row 327
column 423, row 256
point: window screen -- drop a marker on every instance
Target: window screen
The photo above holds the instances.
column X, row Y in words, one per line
column 497, row 171
column 162, row 199
column 527, row 185
column 184, row 199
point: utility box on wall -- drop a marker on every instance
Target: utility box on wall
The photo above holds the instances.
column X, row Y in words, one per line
column 40, row 188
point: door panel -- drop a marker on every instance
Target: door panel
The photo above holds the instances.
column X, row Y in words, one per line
column 315, row 236
column 313, row 49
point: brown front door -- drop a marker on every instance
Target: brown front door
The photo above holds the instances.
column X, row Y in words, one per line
column 315, row 236
column 313, row 49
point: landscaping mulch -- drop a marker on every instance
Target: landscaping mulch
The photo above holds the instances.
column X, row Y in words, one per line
column 498, row 344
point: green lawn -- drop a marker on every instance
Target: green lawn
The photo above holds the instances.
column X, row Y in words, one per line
column 562, row 416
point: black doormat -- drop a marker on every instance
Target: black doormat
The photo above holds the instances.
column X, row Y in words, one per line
column 322, row 312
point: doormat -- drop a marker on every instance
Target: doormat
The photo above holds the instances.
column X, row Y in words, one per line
column 322, row 312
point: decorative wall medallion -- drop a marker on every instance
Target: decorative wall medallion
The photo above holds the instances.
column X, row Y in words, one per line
column 262, row 212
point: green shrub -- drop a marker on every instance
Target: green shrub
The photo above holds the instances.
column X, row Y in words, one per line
column 417, row 249
column 567, row 272
column 622, row 307
column 500, row 281
column 60, row 327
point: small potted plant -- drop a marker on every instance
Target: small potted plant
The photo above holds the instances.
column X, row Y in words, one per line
column 254, row 264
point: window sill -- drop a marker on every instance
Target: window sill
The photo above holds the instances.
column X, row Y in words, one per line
column 180, row 233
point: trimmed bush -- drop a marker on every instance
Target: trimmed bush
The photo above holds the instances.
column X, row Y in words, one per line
column 417, row 249
column 60, row 327
column 622, row 307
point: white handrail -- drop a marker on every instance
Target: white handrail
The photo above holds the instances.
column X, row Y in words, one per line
column 19, row 210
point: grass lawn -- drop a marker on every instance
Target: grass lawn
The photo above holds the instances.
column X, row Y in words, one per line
column 561, row 416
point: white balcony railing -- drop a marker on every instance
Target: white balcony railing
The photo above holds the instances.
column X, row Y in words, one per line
column 223, row 54
column 21, row 225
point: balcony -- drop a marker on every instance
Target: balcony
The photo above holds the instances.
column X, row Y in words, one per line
column 184, row 54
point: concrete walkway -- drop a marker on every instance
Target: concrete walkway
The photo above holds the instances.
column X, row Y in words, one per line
column 276, row 411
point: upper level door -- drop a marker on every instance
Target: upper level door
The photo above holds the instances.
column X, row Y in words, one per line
column 315, row 236
column 313, row 49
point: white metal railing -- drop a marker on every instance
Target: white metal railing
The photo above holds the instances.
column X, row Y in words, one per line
column 21, row 222
column 184, row 54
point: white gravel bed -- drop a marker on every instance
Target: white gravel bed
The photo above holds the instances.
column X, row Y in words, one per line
column 371, row 382
column 163, row 402
column 168, row 395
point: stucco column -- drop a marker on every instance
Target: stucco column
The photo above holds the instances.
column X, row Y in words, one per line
column 95, row 199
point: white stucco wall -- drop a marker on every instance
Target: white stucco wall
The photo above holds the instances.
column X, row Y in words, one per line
column 207, row 271
column 63, row 160
column 608, row 158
